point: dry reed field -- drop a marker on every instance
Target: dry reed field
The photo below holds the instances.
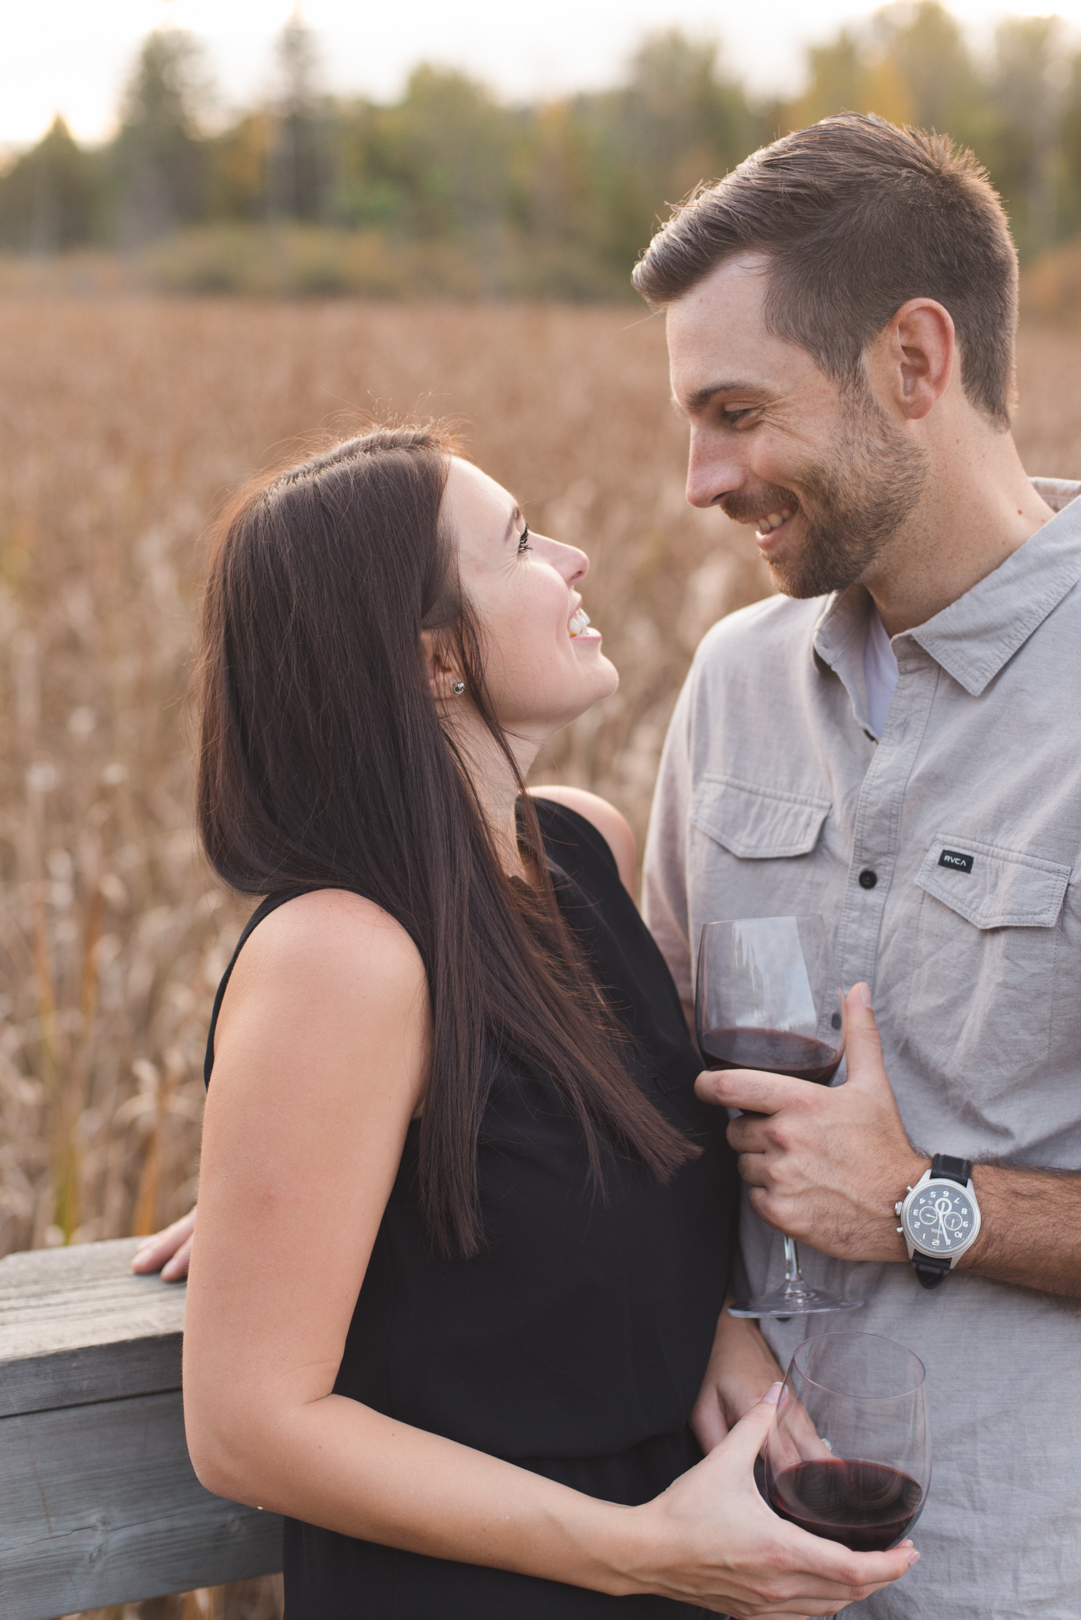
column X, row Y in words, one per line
column 125, row 422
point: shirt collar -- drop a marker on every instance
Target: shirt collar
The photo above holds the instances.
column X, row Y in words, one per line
column 976, row 635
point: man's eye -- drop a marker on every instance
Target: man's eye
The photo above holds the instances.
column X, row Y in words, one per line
column 730, row 418
column 523, row 541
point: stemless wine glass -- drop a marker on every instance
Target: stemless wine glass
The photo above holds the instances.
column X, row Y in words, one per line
column 766, row 998
column 849, row 1455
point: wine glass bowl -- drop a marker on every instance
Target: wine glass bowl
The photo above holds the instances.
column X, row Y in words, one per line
column 848, row 1456
column 766, row 998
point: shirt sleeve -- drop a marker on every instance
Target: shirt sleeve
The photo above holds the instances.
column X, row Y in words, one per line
column 664, row 870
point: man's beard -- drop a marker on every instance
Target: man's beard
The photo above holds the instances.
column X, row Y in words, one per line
column 853, row 504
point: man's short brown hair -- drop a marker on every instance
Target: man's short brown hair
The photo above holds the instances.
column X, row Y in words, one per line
column 857, row 217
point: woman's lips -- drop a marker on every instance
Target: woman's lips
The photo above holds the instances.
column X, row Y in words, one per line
column 580, row 629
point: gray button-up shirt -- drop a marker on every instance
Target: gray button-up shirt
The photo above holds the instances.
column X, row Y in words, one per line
column 774, row 798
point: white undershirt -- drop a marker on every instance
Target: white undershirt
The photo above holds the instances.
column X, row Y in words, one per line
column 879, row 673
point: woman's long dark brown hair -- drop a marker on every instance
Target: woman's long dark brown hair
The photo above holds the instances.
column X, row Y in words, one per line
column 324, row 763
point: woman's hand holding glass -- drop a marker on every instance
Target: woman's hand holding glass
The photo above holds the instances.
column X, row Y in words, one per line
column 726, row 1551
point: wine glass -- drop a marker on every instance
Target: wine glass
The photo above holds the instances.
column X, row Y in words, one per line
column 849, row 1455
column 766, row 998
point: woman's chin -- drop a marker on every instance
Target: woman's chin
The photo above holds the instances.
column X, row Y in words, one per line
column 603, row 683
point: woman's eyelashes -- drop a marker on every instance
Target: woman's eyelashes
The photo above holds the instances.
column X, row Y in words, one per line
column 523, row 541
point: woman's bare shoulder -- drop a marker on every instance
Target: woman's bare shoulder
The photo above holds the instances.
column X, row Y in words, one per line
column 330, row 946
column 612, row 825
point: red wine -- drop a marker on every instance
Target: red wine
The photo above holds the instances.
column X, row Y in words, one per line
column 777, row 1050
column 866, row 1506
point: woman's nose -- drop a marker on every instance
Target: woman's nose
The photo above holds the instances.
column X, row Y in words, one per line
column 572, row 562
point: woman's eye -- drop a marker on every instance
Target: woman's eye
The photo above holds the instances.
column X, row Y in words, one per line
column 523, row 541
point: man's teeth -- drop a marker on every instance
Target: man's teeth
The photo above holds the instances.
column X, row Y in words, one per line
column 775, row 519
column 580, row 622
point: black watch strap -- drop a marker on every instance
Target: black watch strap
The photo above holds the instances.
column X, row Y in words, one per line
column 930, row 1268
column 952, row 1169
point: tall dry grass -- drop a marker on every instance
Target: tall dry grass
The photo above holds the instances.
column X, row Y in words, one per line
column 123, row 423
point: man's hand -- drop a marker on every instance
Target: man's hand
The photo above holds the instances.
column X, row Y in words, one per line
column 825, row 1164
column 169, row 1251
column 741, row 1369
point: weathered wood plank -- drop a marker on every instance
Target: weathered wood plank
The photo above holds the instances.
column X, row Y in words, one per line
column 99, row 1505
column 76, row 1325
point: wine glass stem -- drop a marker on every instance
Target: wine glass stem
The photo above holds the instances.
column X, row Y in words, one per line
column 792, row 1274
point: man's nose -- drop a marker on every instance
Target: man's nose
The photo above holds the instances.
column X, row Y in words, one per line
column 714, row 470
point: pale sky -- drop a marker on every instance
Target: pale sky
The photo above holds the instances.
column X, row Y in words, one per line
column 72, row 56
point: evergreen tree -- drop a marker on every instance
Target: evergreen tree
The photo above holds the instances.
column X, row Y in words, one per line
column 298, row 168
column 48, row 199
column 159, row 160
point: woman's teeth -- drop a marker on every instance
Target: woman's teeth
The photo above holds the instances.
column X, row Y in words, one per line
column 580, row 622
column 774, row 520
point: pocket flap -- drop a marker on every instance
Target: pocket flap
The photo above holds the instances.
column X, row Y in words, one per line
column 756, row 823
column 993, row 887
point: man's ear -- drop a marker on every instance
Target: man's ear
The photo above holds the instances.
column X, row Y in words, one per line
column 912, row 360
column 442, row 675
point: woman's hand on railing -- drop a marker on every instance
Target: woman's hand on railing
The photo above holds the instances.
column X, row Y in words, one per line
column 169, row 1251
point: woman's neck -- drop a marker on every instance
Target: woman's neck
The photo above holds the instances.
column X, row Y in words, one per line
column 496, row 788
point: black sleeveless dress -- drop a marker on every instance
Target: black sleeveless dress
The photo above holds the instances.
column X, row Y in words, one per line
column 575, row 1343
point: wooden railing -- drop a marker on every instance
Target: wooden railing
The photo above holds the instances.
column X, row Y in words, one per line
column 98, row 1501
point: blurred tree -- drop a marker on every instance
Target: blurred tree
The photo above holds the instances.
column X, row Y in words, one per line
column 1022, row 144
column 848, row 76
column 602, row 167
column 555, row 198
column 237, row 163
column 298, row 163
column 49, row 197
column 927, row 50
column 1069, row 210
column 448, row 145
column 160, row 163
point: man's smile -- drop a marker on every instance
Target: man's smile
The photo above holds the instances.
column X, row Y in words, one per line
column 769, row 525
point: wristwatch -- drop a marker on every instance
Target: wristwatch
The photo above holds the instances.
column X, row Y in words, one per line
column 940, row 1218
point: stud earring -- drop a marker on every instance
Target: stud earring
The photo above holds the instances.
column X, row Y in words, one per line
column 458, row 688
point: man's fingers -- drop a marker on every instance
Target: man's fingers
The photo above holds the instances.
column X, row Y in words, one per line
column 750, row 1089
column 863, row 1044
column 176, row 1269
column 153, row 1252
column 750, row 1133
column 754, row 1170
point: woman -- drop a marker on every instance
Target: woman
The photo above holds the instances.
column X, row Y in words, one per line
column 463, row 1228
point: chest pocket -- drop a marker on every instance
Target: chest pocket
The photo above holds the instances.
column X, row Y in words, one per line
column 757, row 824
column 984, row 960
column 752, row 851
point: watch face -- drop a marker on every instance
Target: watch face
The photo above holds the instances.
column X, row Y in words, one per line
column 940, row 1218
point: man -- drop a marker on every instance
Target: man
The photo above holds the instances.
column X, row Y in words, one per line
column 893, row 743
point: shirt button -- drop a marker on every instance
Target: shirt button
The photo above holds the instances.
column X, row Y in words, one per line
column 868, row 879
